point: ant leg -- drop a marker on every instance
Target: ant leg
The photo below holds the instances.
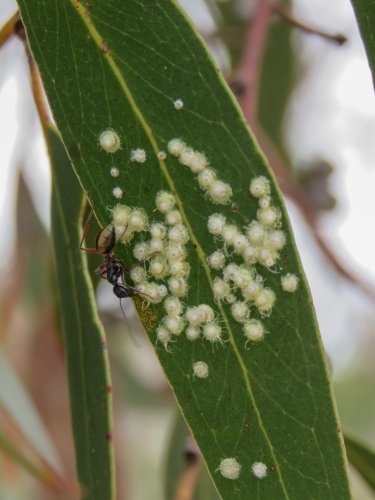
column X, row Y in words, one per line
column 108, row 259
column 123, row 281
column 129, row 287
column 139, row 262
column 135, row 290
column 87, row 225
column 122, row 276
column 124, row 266
column 103, row 274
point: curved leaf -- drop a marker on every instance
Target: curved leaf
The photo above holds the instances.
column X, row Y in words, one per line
column 122, row 66
column 85, row 345
column 362, row 458
column 18, row 404
column 40, row 470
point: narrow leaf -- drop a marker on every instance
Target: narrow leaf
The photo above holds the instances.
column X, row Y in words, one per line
column 362, row 458
column 139, row 71
column 19, row 406
column 10, row 449
column 85, row 345
column 40, row 470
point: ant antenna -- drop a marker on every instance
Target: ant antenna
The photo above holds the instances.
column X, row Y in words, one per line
column 130, row 331
column 119, row 238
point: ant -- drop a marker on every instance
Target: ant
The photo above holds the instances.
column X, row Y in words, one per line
column 112, row 269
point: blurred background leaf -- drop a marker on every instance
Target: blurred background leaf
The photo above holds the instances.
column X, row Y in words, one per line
column 85, row 343
column 362, row 458
column 17, row 403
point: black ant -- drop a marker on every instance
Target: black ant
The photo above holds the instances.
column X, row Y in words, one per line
column 111, row 269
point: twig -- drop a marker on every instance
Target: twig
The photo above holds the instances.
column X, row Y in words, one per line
column 36, row 83
column 248, row 75
column 7, row 31
column 286, row 14
column 188, row 480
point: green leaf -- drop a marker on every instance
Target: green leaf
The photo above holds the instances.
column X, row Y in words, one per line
column 121, row 66
column 40, row 472
column 17, row 403
column 365, row 14
column 85, row 345
column 362, row 458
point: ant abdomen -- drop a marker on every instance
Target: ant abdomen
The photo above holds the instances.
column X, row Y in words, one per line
column 106, row 239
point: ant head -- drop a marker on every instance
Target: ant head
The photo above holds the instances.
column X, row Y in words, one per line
column 122, row 292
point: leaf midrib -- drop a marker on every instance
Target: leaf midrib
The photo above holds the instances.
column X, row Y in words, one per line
column 202, row 257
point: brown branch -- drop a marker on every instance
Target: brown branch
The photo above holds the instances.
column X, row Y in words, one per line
column 248, row 75
column 36, row 83
column 187, row 483
column 288, row 16
column 38, row 93
column 7, row 30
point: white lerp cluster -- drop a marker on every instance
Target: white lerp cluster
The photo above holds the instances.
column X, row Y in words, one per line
column 218, row 191
column 242, row 277
column 164, row 253
column 170, row 263
column 202, row 319
column 259, row 243
column 110, row 141
column 127, row 222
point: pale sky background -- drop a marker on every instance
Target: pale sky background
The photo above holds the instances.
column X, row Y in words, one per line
column 332, row 116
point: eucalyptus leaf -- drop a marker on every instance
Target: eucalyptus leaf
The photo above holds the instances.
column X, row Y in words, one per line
column 139, row 70
column 85, row 344
column 7, row 446
column 15, row 400
column 362, row 458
